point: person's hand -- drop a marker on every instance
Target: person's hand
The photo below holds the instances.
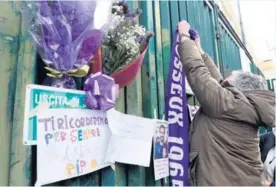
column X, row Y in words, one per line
column 198, row 44
column 183, row 28
column 267, row 183
column 193, row 34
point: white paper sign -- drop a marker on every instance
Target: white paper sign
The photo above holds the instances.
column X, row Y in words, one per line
column 131, row 139
column 160, row 156
column 188, row 88
column 192, row 111
column 70, row 143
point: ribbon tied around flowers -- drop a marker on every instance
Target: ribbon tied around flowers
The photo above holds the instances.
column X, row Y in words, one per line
column 101, row 92
column 80, row 72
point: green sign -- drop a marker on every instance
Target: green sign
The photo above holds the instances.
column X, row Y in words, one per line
column 39, row 98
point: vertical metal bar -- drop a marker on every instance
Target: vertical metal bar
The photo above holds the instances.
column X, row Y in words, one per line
column 241, row 23
column 190, row 12
column 213, row 30
column 224, row 53
column 235, row 55
column 196, row 12
column 238, row 57
column 159, row 65
column 205, row 32
column 159, row 60
column 228, row 51
column 211, row 38
column 166, row 36
column 136, row 174
column 109, row 177
column 218, row 39
column 149, row 87
column 227, row 58
column 174, row 16
column 166, row 43
column 182, row 6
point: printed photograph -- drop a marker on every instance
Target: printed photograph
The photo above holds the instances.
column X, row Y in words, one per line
column 161, row 140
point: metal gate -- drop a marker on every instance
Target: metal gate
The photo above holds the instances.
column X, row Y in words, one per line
column 19, row 66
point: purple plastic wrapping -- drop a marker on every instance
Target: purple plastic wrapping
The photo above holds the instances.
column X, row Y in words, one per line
column 67, row 35
column 193, row 34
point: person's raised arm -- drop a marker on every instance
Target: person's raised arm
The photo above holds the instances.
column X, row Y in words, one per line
column 208, row 61
column 213, row 98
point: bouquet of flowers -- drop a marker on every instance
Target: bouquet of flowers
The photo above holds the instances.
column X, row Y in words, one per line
column 124, row 47
column 67, row 34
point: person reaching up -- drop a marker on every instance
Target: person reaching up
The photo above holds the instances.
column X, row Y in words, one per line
column 224, row 146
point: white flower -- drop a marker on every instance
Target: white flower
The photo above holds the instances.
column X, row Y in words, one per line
column 123, row 34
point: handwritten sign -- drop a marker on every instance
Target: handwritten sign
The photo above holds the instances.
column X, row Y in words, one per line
column 71, row 143
column 43, row 97
column 160, row 156
column 131, row 139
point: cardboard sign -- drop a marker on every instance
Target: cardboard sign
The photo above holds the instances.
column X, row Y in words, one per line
column 160, row 154
column 39, row 98
column 71, row 143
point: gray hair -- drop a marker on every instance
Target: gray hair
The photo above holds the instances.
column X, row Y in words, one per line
column 245, row 81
